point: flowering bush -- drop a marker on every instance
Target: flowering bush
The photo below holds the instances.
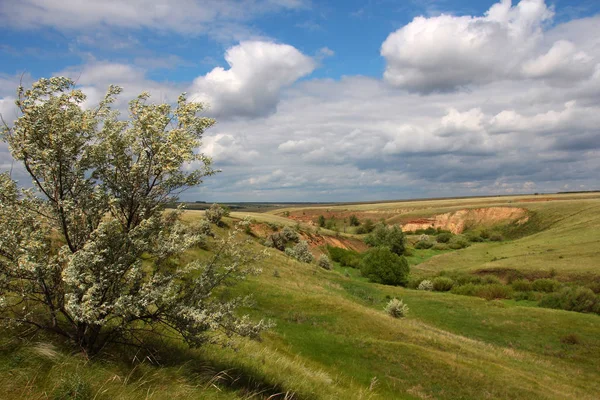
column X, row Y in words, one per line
column 94, row 257
column 324, row 262
column 425, row 285
column 396, row 308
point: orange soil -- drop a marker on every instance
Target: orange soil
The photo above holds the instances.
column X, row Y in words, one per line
column 315, row 240
column 458, row 221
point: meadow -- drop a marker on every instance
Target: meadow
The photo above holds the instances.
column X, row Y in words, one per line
column 332, row 339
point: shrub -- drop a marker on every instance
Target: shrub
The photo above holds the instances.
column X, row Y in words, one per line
column 443, row 237
column 396, row 308
column 458, row 242
column 430, row 231
column 522, row 285
column 346, row 258
column 529, row 296
column 423, row 244
column 468, row 289
column 324, row 262
column 354, row 221
column 391, row 237
column 474, row 238
column 484, row 234
column 545, row 285
column 274, row 227
column 491, row 279
column 578, row 299
column 594, row 286
column 321, row 221
column 440, row 246
column 280, row 239
column 462, row 279
column 99, row 246
column 290, row 235
column 300, row 252
column 276, row 240
column 215, row 213
column 203, row 228
column 425, row 284
column 366, row 227
column 442, row 284
column 380, row 265
column 413, row 282
column 496, row 237
column 330, row 224
column 494, row 291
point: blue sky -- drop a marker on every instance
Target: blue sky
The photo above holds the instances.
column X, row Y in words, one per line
column 342, row 100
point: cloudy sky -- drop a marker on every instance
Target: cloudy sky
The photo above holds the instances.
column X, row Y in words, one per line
column 341, row 100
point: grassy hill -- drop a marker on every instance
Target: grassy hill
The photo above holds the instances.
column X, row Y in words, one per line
column 332, row 339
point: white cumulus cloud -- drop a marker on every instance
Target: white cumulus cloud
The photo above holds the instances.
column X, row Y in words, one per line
column 447, row 52
column 257, row 73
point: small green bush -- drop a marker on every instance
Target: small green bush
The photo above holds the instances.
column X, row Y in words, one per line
column 440, row 246
column 321, row 221
column 391, row 237
column 354, row 221
column 468, row 289
column 458, row 242
column 522, row 285
column 594, row 286
column 474, row 238
column 491, row 279
column 366, row 227
column 578, row 299
column 528, row 296
column 545, row 285
column 463, row 279
column 442, row 284
column 346, row 258
column 396, row 308
column 494, row 291
column 423, row 244
column 444, row 237
column 425, row 284
column 330, row 224
column 413, row 282
column 380, row 265
column 484, row 234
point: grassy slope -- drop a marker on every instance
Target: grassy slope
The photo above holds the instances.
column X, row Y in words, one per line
column 333, row 341
column 568, row 243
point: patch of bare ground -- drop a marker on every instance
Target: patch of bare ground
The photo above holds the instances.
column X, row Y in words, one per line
column 315, row 241
column 458, row 221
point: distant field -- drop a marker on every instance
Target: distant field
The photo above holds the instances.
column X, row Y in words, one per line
column 563, row 232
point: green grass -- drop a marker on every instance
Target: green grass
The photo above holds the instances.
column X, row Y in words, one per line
column 564, row 236
column 332, row 339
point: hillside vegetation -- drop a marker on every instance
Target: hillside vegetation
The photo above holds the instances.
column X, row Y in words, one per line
column 332, row 339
